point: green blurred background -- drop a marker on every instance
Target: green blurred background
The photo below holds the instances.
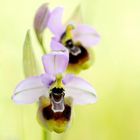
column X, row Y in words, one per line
column 115, row 74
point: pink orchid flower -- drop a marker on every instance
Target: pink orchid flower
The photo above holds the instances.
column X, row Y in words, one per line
column 78, row 39
column 55, row 92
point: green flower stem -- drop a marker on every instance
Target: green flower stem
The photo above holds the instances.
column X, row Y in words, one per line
column 46, row 135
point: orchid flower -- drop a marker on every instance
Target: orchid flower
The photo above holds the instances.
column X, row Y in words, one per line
column 55, row 92
column 78, row 39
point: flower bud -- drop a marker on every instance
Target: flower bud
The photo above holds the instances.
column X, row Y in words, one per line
column 41, row 18
column 41, row 21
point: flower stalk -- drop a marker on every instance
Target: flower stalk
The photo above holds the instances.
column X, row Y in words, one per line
column 46, row 135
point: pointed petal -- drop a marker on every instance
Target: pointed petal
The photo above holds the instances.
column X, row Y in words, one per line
column 55, row 23
column 56, row 46
column 80, row 90
column 29, row 90
column 55, row 62
column 47, row 79
column 86, row 35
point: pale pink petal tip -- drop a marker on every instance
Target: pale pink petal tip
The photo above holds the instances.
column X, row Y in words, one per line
column 55, row 22
column 86, row 35
column 28, row 91
column 79, row 89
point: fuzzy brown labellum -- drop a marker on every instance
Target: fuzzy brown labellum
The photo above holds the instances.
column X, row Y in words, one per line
column 54, row 121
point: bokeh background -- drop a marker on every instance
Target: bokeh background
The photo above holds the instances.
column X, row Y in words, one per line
column 115, row 73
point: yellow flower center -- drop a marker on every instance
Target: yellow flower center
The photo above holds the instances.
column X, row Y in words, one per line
column 67, row 34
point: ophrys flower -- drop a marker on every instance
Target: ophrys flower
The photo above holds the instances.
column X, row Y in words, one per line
column 78, row 39
column 55, row 92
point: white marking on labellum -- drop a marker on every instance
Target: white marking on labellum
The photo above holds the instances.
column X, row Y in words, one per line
column 57, row 99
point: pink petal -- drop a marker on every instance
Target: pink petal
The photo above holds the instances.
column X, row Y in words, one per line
column 80, row 90
column 55, row 62
column 47, row 79
column 56, row 46
column 86, row 35
column 29, row 90
column 55, row 22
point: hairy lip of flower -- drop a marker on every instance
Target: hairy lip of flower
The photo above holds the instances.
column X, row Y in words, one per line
column 64, row 115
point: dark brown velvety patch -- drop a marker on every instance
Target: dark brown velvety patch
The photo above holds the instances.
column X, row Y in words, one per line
column 49, row 114
column 74, row 59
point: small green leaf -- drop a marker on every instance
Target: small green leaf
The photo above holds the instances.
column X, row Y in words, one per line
column 29, row 61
